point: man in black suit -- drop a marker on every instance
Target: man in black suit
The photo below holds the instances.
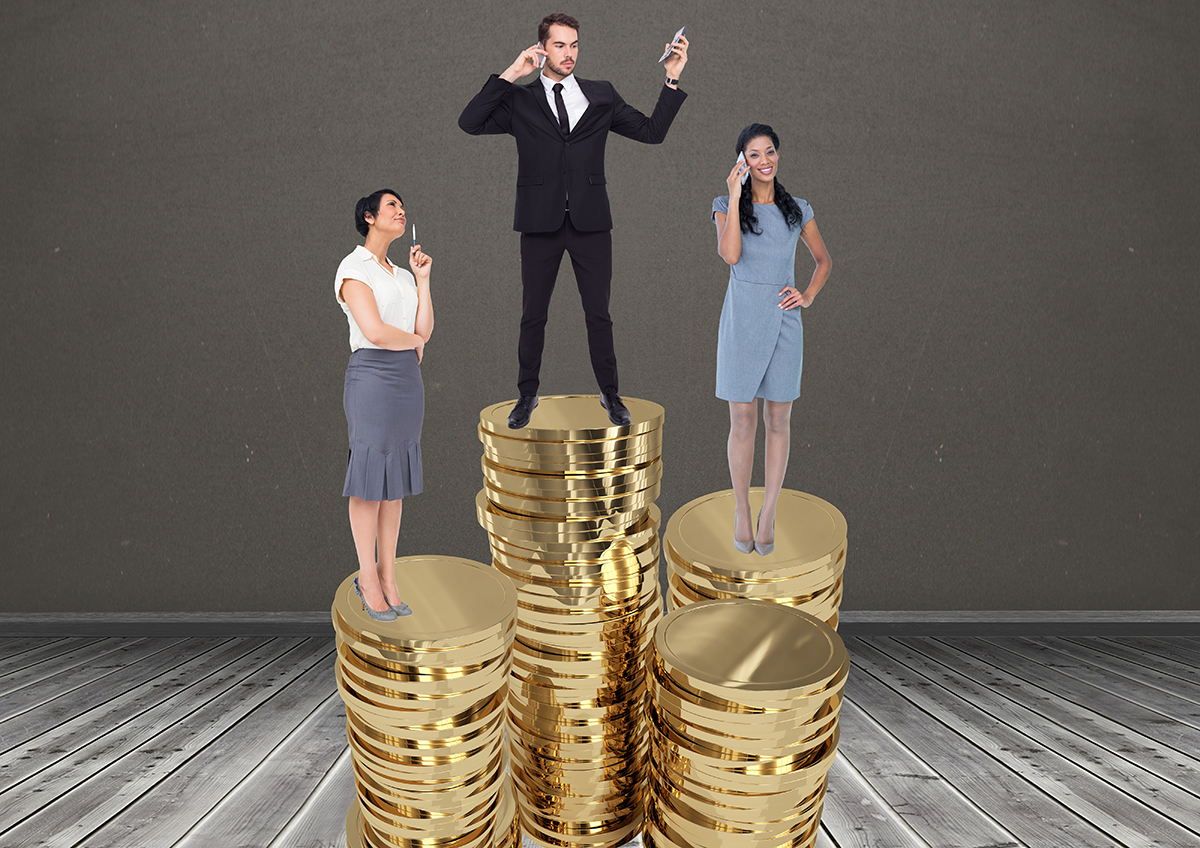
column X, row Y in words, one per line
column 561, row 124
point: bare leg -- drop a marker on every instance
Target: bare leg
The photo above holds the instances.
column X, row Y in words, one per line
column 389, row 533
column 364, row 525
column 743, row 423
column 777, row 420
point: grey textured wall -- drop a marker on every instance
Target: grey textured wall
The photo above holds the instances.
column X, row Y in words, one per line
column 1000, row 384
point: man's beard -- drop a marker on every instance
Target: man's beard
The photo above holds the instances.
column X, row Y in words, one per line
column 558, row 69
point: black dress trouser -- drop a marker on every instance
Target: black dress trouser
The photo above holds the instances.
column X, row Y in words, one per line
column 591, row 258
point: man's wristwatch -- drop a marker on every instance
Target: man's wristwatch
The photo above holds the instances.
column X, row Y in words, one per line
column 672, row 81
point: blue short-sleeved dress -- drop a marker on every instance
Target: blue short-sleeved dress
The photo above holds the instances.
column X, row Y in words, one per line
column 760, row 347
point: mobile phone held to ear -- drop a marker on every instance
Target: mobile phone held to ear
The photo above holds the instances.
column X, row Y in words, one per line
column 746, row 174
column 538, row 59
column 674, row 41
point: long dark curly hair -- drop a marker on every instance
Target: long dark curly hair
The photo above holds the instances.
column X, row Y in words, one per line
column 786, row 203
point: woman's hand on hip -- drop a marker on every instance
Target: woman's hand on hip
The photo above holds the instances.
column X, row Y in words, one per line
column 421, row 263
column 793, row 297
column 420, row 349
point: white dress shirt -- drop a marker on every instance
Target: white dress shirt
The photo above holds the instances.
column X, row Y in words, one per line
column 573, row 97
column 395, row 293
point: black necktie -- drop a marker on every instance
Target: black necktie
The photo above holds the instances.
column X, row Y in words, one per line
column 561, row 106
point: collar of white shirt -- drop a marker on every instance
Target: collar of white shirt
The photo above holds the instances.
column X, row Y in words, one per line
column 573, row 98
column 362, row 253
column 569, row 84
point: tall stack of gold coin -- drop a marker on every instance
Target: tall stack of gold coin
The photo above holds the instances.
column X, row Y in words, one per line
column 744, row 698
column 804, row 570
column 568, row 506
column 425, row 703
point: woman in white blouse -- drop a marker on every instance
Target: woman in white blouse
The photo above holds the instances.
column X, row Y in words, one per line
column 390, row 314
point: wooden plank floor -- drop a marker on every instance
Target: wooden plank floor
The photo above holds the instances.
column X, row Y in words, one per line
column 955, row 742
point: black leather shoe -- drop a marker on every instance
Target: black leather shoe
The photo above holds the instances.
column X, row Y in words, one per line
column 617, row 413
column 519, row 417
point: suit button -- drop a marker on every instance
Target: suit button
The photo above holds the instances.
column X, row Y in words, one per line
column 566, row 144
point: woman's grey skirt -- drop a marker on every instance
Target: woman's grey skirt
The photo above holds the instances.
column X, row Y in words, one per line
column 385, row 406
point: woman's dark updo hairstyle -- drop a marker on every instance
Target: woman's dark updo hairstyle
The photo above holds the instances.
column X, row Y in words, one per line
column 786, row 203
column 369, row 205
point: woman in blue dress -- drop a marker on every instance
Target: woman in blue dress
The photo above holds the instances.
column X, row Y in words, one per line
column 760, row 343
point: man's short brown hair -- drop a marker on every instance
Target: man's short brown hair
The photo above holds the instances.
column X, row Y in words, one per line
column 557, row 18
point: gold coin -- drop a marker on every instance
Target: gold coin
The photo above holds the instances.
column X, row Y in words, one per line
column 455, row 602
column 583, row 834
column 751, row 572
column 794, row 729
column 805, row 586
column 772, row 756
column 401, row 699
column 518, row 526
column 379, row 832
column 677, row 827
column 420, row 824
column 808, row 530
column 643, row 613
column 572, row 486
column 738, row 806
column 544, row 757
column 566, row 418
column 386, row 681
column 443, row 796
column 688, row 688
column 819, row 603
column 599, row 463
column 381, row 739
column 792, row 740
column 622, row 561
column 748, row 651
column 589, row 508
column 467, row 760
column 613, row 449
column 478, row 652
column 586, row 552
column 705, row 815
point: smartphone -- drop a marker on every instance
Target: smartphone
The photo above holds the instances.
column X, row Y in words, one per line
column 538, row 59
column 674, row 41
column 745, row 176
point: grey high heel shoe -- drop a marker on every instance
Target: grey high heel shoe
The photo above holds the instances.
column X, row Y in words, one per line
column 400, row 610
column 388, row 614
column 764, row 550
column 744, row 547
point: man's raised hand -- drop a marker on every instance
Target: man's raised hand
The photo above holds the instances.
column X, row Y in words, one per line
column 526, row 63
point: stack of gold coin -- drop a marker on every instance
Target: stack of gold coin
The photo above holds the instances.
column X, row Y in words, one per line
column 426, row 710
column 568, row 506
column 804, row 570
column 744, row 698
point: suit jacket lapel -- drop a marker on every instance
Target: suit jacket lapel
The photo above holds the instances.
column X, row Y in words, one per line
column 592, row 94
column 539, row 94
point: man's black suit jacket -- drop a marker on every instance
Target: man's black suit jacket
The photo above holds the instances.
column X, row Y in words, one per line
column 550, row 163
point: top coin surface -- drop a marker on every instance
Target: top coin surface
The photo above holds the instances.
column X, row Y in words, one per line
column 738, row 648
column 560, row 418
column 808, row 531
column 456, row 602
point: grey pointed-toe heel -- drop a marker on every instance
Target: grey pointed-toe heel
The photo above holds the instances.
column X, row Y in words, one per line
column 744, row 547
column 388, row 614
column 765, row 550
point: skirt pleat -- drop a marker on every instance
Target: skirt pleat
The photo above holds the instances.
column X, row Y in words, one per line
column 384, row 400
